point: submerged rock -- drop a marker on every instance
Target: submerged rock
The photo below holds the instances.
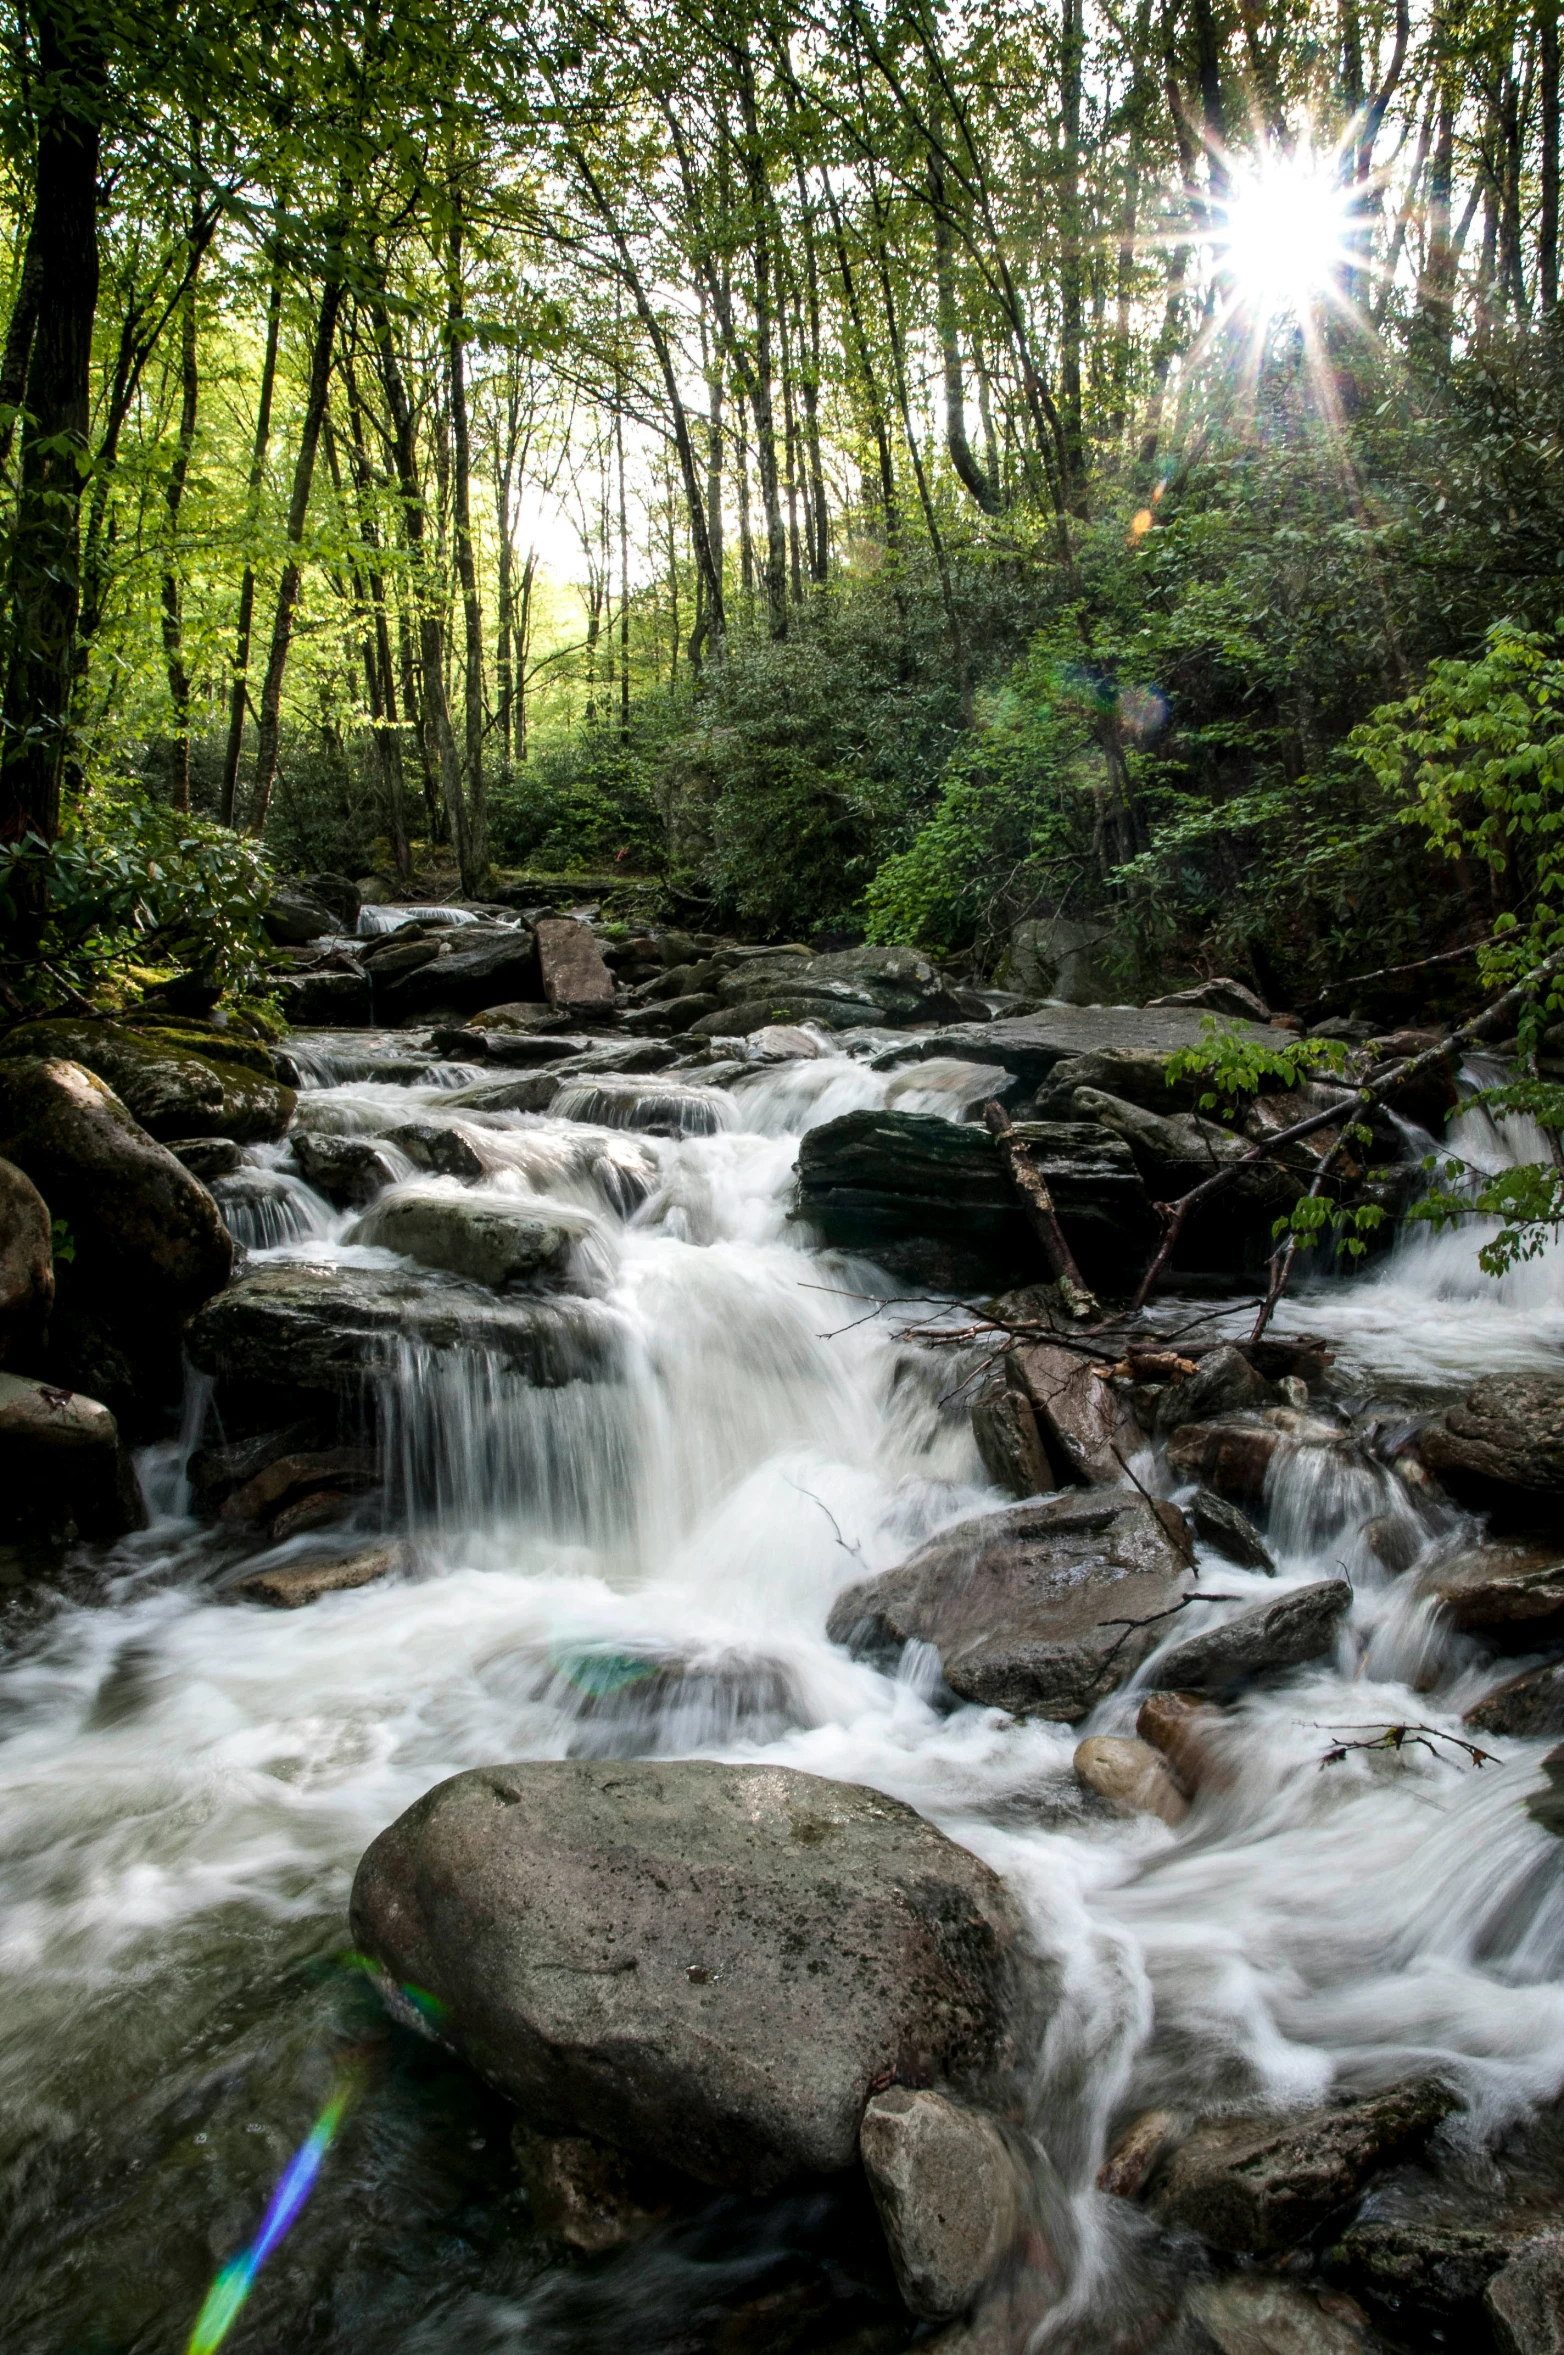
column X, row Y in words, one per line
column 483, row 1237
column 1501, row 1450
column 710, row 1966
column 1256, row 2186
column 586, row 2195
column 289, row 1586
column 1298, row 1626
column 950, row 2194
column 1032, row 1609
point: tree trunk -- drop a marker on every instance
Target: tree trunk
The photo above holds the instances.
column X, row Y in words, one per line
column 19, row 339
column 43, row 586
column 475, row 864
column 269, row 727
column 173, row 497
column 238, row 693
column 968, row 472
column 1548, row 223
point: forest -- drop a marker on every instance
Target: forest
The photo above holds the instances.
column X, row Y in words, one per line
column 887, row 474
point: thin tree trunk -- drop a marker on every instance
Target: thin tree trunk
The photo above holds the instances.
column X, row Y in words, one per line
column 238, row 693
column 173, row 497
column 1548, row 223
column 269, row 725
column 476, row 834
column 968, row 472
column 19, row 338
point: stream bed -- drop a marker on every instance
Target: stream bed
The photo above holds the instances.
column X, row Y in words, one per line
column 187, row 1781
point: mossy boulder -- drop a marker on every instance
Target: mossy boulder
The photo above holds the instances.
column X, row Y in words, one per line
column 178, row 1077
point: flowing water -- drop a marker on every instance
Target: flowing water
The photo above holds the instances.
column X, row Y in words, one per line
column 644, row 1566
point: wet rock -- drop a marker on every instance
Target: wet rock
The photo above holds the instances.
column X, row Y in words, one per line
column 1528, row 1705
column 295, row 915
column 1223, row 1383
column 535, row 1091
column 318, row 1510
column 709, row 1966
column 289, row 1586
column 875, row 1178
column 1027, row 1607
column 1254, row 2314
column 1547, row 1805
column 1229, row 1531
column 1423, row 2270
column 1501, row 1450
column 1009, row 1442
column 1221, row 996
column 655, row 1106
column 1061, row 957
column 349, row 1171
column 1256, row 2186
column 783, row 1042
column 1231, row 1458
column 520, row 1016
column 583, row 2193
column 207, row 1158
column 339, row 893
column 473, row 966
column 950, row 2196
column 1504, row 1585
column 26, row 1261
column 487, row 1239
column 323, row 1330
column 570, row 965
column 1128, row 2167
column 830, row 1007
column 177, row 1079
column 1124, row 1048
column 63, row 1472
column 442, row 1147
column 285, row 1478
column 673, row 1017
column 214, row 1472
column 1395, row 1540
column 1087, row 1425
column 1131, row 1776
column 1297, row 1626
column 510, row 1049
column 328, row 1000
column 1181, row 1726
column 149, row 1242
column 1525, row 2299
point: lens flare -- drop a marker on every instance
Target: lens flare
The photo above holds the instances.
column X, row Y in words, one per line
column 1285, row 235
column 234, row 2283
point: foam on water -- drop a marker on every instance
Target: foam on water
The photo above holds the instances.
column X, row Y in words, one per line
column 645, row 1562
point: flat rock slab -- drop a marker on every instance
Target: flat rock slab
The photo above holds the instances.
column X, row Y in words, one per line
column 1255, row 2186
column 1504, row 1584
column 710, row 1966
column 1027, row 1608
column 486, row 1238
column 1297, row 1626
column 570, row 964
column 311, row 1329
column 1031, row 1044
column 289, row 1586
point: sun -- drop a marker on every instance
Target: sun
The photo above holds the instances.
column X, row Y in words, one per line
column 1284, row 237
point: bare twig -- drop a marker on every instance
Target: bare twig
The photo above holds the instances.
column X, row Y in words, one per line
column 1151, row 1620
column 1402, row 1737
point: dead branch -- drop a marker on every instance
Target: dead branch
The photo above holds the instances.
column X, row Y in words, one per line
column 1038, row 1204
column 1402, row 1737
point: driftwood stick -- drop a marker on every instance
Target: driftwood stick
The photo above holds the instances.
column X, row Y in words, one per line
column 1356, row 1104
column 1032, row 1191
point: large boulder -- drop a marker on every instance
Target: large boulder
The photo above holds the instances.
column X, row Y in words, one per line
column 1525, row 2299
column 1061, row 957
column 472, row 965
column 283, row 1331
column 26, row 1261
column 1501, row 1450
column 177, row 1079
column 294, row 916
column 63, row 1472
column 843, row 990
column 571, row 967
column 1257, row 2185
column 1532, row 1705
column 873, row 1180
column 1042, row 1609
column 146, row 1241
column 1084, row 1421
column 490, row 1239
column 711, row 1966
column 1514, row 1585
column 332, row 999
column 1034, row 1045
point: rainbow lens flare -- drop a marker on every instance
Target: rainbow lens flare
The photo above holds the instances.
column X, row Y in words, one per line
column 234, row 2283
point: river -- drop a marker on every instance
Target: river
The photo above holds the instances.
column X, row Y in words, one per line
column 186, row 1785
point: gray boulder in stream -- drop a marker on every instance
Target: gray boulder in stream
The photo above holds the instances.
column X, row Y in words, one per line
column 1280, row 1633
column 1501, row 1450
column 1043, row 1609
column 323, row 1330
column 709, row 1966
column 485, row 1238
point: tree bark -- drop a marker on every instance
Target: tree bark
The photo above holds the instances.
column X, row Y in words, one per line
column 476, row 837
column 1548, row 223
column 239, row 690
column 43, row 586
column 172, row 601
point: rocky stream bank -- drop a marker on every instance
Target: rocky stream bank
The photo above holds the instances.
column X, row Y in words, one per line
column 815, row 1803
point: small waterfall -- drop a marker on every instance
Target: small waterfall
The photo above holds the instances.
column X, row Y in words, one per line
column 375, row 918
column 265, row 1208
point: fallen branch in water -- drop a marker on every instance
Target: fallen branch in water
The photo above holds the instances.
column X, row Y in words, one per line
column 1402, row 1737
column 1036, row 1201
column 1130, row 1625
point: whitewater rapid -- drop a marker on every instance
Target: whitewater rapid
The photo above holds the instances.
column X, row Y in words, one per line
column 186, row 1785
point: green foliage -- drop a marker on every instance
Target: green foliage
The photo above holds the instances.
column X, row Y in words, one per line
column 1313, row 1217
column 1240, row 1067
column 62, row 1243
column 578, row 803
column 1476, row 761
column 1528, row 1201
column 131, row 888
